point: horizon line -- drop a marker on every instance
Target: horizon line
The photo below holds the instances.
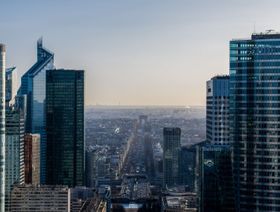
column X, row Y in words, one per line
column 115, row 105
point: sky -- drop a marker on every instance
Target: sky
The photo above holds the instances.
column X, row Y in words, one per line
column 135, row 52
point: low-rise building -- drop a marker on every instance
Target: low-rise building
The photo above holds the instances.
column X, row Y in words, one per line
column 177, row 200
column 43, row 198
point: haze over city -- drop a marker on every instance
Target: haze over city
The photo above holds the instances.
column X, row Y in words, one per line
column 137, row 52
column 140, row 106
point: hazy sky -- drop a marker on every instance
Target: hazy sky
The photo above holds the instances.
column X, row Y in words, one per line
column 135, row 52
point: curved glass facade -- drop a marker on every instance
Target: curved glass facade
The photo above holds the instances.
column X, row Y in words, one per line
column 33, row 84
column 255, row 121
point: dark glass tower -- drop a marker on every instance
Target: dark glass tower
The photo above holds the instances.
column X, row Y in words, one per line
column 33, row 85
column 171, row 153
column 187, row 167
column 65, row 127
column 216, row 192
column 255, row 120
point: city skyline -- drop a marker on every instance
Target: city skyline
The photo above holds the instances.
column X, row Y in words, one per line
column 135, row 53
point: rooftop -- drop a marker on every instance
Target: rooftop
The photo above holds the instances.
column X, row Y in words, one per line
column 185, row 201
column 268, row 34
column 220, row 77
column 2, row 48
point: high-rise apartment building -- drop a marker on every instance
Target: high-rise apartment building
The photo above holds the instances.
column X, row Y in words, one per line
column 217, row 113
column 33, row 84
column 2, row 125
column 32, row 159
column 14, row 156
column 171, row 152
column 255, row 118
column 216, row 191
column 65, row 127
column 44, row 198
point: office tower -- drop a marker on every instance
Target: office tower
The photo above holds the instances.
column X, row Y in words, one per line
column 187, row 163
column 65, row 127
column 21, row 104
column 2, row 125
column 14, row 152
column 171, row 151
column 11, row 86
column 90, row 166
column 217, row 113
column 216, row 192
column 254, row 115
column 32, row 158
column 33, row 85
column 44, row 198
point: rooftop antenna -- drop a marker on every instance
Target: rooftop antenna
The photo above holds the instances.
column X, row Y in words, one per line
column 254, row 28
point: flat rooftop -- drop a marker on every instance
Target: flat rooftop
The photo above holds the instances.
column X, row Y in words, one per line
column 220, row 77
column 269, row 34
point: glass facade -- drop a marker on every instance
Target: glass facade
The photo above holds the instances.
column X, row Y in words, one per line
column 187, row 164
column 216, row 179
column 217, row 113
column 65, row 127
column 255, row 118
column 14, row 152
column 11, row 85
column 33, row 84
column 171, row 153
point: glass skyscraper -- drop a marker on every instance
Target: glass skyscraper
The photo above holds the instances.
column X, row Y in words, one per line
column 65, row 127
column 255, row 121
column 217, row 113
column 11, row 85
column 14, row 170
column 216, row 192
column 171, row 154
column 187, row 161
column 33, row 84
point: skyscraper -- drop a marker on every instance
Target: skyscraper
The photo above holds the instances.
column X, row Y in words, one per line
column 11, row 85
column 32, row 159
column 217, row 114
column 215, row 178
column 187, row 160
column 255, row 118
column 90, row 167
column 2, row 125
column 14, row 170
column 171, row 151
column 216, row 192
column 65, row 127
column 33, row 84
